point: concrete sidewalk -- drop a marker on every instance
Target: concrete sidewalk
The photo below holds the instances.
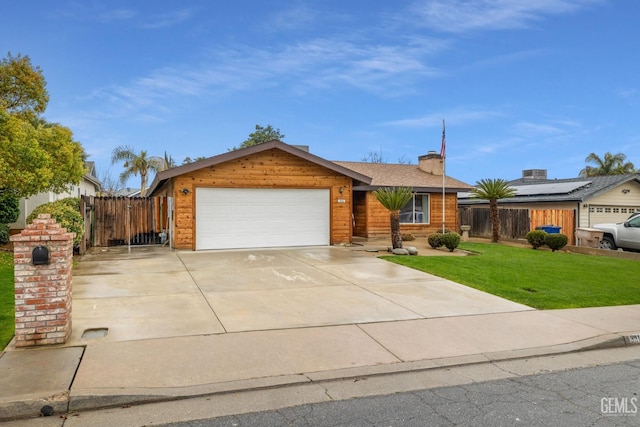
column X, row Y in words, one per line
column 394, row 327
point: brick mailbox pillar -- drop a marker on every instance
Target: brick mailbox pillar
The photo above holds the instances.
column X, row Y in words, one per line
column 43, row 256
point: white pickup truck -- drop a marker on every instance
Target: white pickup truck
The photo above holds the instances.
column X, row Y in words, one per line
column 624, row 235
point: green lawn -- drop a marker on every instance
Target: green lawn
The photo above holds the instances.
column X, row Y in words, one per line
column 537, row 278
column 7, row 318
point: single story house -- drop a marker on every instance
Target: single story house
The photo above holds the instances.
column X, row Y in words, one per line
column 275, row 195
column 593, row 200
column 423, row 215
column 89, row 186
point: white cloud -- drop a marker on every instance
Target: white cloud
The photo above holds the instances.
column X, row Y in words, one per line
column 168, row 19
column 296, row 17
column 458, row 16
column 319, row 64
column 459, row 117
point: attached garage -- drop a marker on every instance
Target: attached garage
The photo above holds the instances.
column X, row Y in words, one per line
column 268, row 195
column 257, row 217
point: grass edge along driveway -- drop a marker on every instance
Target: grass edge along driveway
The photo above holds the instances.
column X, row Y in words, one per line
column 7, row 299
column 537, row 278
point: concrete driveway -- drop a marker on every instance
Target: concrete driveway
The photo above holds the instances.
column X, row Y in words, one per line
column 151, row 292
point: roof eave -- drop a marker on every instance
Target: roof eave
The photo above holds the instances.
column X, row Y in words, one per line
column 415, row 188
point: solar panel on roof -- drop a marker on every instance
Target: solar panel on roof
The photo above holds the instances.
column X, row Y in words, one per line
column 549, row 188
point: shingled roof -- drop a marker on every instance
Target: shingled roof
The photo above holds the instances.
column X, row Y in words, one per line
column 402, row 175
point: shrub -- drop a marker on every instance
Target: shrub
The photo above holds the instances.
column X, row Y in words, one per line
column 451, row 240
column 9, row 207
column 408, row 237
column 4, row 234
column 435, row 240
column 66, row 212
column 536, row 238
column 556, row 241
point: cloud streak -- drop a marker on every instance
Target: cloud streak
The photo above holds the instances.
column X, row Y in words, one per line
column 459, row 16
column 459, row 117
column 319, row 64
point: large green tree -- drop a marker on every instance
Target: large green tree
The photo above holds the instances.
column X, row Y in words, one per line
column 493, row 190
column 35, row 156
column 22, row 87
column 260, row 136
column 611, row 164
column 136, row 164
column 394, row 199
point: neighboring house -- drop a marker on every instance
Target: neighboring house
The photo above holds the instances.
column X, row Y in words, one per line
column 597, row 199
column 88, row 186
column 275, row 195
column 127, row 192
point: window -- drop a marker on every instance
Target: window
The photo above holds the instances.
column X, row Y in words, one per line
column 599, row 210
column 607, row 210
column 616, row 210
column 623, row 210
column 416, row 211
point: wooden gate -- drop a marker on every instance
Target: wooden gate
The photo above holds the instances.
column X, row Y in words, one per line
column 113, row 221
column 565, row 218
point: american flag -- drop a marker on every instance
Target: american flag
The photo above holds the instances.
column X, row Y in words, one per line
column 443, row 148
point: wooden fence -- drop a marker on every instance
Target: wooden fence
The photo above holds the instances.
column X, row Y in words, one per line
column 514, row 223
column 113, row 221
column 564, row 218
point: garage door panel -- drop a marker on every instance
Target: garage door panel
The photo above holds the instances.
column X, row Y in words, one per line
column 251, row 217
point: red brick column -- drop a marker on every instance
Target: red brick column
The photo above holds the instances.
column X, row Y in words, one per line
column 43, row 292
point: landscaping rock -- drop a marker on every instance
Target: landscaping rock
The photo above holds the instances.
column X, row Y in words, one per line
column 412, row 250
column 400, row 251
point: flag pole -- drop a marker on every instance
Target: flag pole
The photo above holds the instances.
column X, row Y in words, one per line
column 444, row 173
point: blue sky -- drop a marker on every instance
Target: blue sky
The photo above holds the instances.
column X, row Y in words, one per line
column 521, row 84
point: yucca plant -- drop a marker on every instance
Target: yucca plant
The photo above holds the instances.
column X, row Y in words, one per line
column 394, row 199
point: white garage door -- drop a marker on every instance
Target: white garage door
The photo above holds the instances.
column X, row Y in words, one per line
column 610, row 214
column 229, row 218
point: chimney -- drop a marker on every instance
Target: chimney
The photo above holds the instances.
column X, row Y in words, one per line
column 534, row 174
column 431, row 163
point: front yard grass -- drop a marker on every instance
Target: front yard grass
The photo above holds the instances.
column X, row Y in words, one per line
column 537, row 278
column 7, row 318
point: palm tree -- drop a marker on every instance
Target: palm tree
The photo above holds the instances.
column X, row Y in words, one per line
column 135, row 164
column 168, row 162
column 612, row 164
column 394, row 199
column 493, row 190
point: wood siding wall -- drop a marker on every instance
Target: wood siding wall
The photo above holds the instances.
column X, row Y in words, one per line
column 376, row 217
column 268, row 169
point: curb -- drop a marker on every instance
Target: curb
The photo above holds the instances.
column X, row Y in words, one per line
column 62, row 402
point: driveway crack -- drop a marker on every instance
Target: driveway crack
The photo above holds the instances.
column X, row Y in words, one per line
column 202, row 293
